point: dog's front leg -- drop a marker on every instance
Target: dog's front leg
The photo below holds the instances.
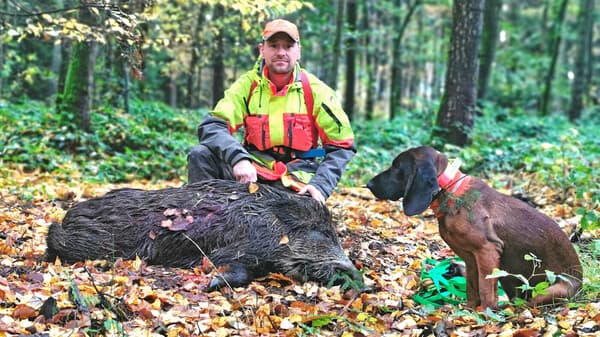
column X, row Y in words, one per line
column 487, row 258
column 473, row 299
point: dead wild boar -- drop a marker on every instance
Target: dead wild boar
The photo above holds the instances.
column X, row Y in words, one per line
column 250, row 233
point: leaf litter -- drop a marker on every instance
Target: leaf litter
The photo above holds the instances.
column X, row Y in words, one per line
column 118, row 298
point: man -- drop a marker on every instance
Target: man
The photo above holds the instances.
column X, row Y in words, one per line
column 284, row 111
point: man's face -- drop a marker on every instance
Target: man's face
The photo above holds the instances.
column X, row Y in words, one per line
column 280, row 53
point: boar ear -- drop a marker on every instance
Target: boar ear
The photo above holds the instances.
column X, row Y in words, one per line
column 420, row 193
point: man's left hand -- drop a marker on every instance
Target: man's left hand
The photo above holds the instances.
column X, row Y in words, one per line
column 314, row 193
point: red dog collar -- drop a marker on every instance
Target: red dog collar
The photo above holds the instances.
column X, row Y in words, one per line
column 453, row 182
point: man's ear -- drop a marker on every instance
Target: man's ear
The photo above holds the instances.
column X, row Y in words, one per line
column 261, row 46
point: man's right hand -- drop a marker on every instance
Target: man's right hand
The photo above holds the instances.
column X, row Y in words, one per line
column 244, row 171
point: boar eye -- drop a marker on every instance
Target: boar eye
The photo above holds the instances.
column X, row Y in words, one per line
column 317, row 236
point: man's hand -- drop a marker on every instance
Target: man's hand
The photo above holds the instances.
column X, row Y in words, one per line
column 244, row 171
column 314, row 193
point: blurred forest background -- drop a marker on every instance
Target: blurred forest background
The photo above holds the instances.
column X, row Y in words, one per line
column 385, row 58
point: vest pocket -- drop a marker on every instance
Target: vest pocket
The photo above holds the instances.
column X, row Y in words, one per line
column 256, row 128
column 299, row 132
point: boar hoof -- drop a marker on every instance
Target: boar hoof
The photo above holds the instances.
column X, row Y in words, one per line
column 235, row 276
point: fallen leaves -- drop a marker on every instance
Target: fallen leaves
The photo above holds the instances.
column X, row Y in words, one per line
column 132, row 298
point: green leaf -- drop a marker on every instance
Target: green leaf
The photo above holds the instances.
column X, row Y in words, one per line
column 497, row 273
column 550, row 276
column 321, row 321
column 491, row 314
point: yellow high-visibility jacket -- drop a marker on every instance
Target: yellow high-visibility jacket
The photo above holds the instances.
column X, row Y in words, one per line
column 278, row 124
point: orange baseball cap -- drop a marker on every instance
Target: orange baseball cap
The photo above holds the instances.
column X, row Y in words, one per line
column 280, row 25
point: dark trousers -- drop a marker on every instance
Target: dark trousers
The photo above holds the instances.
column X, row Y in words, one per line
column 204, row 164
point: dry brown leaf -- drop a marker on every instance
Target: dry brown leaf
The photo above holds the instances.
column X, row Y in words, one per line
column 253, row 187
column 23, row 311
column 526, row 333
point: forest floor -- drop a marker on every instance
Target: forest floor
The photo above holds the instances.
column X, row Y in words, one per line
column 133, row 299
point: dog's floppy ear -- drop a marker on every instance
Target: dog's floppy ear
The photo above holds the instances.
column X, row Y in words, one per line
column 441, row 162
column 424, row 186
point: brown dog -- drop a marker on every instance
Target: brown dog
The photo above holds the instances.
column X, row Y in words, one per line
column 485, row 228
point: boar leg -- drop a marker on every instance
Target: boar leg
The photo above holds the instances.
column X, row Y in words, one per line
column 235, row 275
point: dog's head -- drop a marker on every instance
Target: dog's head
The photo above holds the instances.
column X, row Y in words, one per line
column 413, row 177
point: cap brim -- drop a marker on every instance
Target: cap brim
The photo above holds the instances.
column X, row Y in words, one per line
column 265, row 38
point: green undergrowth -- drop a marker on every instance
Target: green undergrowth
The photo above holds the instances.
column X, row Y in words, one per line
column 149, row 142
column 152, row 141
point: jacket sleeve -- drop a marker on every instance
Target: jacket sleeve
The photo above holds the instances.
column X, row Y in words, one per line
column 216, row 129
column 331, row 168
column 336, row 135
column 213, row 133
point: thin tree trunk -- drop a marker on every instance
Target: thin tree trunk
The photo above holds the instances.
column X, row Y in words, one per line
column 488, row 45
column 351, row 20
column 126, row 83
column 218, row 84
column 172, row 87
column 56, row 61
column 4, row 8
column 337, row 45
column 579, row 87
column 371, row 61
column 65, row 55
column 194, row 63
column 396, row 80
column 544, row 26
column 555, row 47
column 455, row 118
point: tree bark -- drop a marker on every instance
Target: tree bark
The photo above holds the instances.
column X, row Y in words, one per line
column 555, row 47
column 218, row 84
column 351, row 20
column 580, row 84
column 488, row 45
column 193, row 90
column 79, row 79
column 337, row 45
column 396, row 76
column 371, row 61
column 455, row 118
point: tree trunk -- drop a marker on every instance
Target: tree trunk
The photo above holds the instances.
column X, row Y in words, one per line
column 396, row 76
column 172, row 90
column 555, row 47
column 79, row 79
column 65, row 54
column 350, row 93
column 580, row 84
column 371, row 61
column 488, row 45
column 544, row 25
column 337, row 45
column 193, row 91
column 218, row 84
column 126, row 88
column 56, row 62
column 455, row 118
